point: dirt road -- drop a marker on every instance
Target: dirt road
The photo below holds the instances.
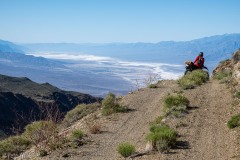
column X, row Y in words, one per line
column 203, row 132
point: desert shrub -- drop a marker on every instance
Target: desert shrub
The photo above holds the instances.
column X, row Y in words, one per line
column 41, row 131
column 222, row 75
column 109, row 101
column 94, row 128
column 126, row 149
column 234, row 121
column 162, row 136
column 152, row 86
column 175, row 104
column 76, row 139
column 77, row 134
column 79, row 112
column 186, row 83
column 237, row 94
column 177, row 100
column 192, row 79
column 14, row 145
column 110, row 105
column 107, row 111
column 60, row 142
column 163, row 145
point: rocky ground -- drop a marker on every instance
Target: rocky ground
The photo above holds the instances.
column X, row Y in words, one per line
column 203, row 131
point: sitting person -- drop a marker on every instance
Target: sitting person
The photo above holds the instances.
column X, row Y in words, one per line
column 197, row 64
column 199, row 61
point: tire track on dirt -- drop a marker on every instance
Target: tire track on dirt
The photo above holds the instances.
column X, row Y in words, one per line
column 206, row 132
column 132, row 126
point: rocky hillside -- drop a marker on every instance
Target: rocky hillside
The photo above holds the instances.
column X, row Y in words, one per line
column 231, row 70
column 202, row 128
column 22, row 101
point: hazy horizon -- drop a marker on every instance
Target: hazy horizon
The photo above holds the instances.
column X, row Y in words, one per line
column 96, row 43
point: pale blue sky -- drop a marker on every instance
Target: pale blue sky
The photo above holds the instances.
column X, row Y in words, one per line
column 105, row 21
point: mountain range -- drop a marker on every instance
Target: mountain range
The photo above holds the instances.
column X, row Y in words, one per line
column 99, row 78
column 216, row 47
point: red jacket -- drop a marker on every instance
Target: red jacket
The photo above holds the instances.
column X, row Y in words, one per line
column 199, row 62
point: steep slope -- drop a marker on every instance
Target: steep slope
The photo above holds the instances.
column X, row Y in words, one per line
column 22, row 100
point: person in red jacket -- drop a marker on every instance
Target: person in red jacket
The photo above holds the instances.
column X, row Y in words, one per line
column 197, row 64
column 199, row 61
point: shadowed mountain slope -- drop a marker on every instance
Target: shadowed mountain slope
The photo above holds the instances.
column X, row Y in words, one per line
column 22, row 101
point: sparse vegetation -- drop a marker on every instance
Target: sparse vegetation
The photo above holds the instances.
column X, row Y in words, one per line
column 234, row 121
column 152, row 86
column 95, row 128
column 79, row 112
column 151, row 79
column 162, row 136
column 237, row 94
column 41, row 131
column 77, row 138
column 14, row 145
column 126, row 149
column 175, row 105
column 193, row 79
column 110, row 105
column 77, row 134
column 223, row 76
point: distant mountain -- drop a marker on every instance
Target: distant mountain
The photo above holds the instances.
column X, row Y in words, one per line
column 14, row 55
column 216, row 48
column 22, row 100
column 9, row 47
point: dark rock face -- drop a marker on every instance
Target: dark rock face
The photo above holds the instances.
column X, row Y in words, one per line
column 23, row 101
column 15, row 107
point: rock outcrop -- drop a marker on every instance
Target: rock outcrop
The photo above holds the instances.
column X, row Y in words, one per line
column 231, row 66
